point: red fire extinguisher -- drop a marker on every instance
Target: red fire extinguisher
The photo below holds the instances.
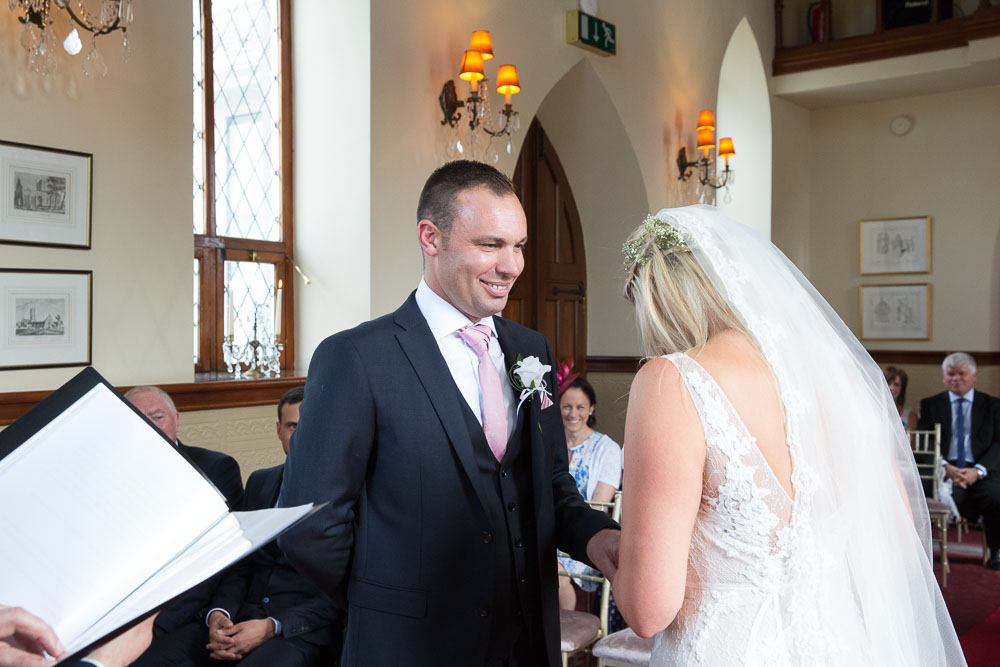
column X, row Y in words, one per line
column 817, row 21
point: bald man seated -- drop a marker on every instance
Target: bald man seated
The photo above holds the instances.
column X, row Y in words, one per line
column 221, row 469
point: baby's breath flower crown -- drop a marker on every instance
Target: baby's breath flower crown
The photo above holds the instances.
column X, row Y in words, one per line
column 663, row 235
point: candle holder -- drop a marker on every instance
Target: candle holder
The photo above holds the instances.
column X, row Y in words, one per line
column 254, row 359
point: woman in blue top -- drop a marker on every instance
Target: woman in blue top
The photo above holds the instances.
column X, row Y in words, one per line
column 595, row 462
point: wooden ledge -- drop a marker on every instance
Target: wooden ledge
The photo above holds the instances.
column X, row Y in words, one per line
column 608, row 364
column 909, row 40
column 209, row 391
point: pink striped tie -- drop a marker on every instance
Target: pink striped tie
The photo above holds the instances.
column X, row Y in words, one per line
column 491, row 403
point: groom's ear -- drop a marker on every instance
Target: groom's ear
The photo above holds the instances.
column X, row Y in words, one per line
column 430, row 237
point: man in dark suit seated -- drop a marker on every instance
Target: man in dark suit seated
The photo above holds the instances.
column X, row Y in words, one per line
column 263, row 612
column 970, row 445
column 221, row 469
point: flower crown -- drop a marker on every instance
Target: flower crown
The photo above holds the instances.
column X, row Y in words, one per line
column 665, row 236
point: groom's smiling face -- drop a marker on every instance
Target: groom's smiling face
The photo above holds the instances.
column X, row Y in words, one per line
column 474, row 265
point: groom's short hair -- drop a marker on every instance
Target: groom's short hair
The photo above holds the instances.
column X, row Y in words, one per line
column 437, row 199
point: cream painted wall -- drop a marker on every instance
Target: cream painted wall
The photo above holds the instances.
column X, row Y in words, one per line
column 589, row 138
column 945, row 168
column 743, row 113
column 654, row 84
column 137, row 123
column 790, row 226
column 332, row 90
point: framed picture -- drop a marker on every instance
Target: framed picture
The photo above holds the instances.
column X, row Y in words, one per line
column 45, row 196
column 896, row 245
column 895, row 312
column 46, row 318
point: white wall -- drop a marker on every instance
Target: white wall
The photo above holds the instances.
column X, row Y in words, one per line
column 744, row 113
column 332, row 90
column 945, row 168
column 137, row 124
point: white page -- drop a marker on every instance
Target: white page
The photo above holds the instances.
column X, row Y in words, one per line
column 233, row 538
column 94, row 504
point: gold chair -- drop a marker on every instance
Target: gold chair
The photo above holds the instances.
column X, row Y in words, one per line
column 579, row 630
column 927, row 452
column 964, row 525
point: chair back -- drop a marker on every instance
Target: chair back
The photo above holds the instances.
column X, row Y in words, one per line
column 615, row 508
column 927, row 452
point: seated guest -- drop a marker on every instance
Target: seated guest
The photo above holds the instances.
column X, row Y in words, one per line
column 221, row 469
column 263, row 611
column 595, row 462
column 970, row 445
column 896, row 377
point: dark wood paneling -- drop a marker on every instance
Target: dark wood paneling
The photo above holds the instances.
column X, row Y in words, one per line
column 609, row 364
column 946, row 34
column 613, row 364
column 209, row 394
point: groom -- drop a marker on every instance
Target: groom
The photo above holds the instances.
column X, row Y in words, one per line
column 447, row 494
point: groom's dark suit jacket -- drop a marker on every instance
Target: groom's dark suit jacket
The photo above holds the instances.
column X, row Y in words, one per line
column 984, row 427
column 441, row 555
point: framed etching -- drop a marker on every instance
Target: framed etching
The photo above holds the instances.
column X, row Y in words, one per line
column 45, row 196
column 896, row 245
column 895, row 312
column 46, row 318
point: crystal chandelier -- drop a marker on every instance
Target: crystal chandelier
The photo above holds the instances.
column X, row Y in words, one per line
column 39, row 39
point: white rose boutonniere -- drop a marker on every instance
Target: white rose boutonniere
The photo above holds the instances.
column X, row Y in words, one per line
column 528, row 377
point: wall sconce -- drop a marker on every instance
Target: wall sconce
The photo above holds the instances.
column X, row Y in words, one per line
column 706, row 142
column 477, row 103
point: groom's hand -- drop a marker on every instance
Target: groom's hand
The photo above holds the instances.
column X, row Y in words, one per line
column 602, row 550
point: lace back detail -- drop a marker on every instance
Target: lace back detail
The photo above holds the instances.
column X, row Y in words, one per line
column 741, row 546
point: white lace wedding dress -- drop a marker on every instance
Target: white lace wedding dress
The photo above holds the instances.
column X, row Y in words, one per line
column 740, row 562
column 840, row 573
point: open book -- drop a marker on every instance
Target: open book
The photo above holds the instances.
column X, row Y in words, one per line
column 103, row 520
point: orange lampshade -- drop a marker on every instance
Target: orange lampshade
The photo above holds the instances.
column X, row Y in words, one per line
column 726, row 149
column 481, row 42
column 706, row 139
column 472, row 67
column 706, row 120
column 507, row 82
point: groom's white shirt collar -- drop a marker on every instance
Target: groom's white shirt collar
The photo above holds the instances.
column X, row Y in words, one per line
column 442, row 317
column 444, row 321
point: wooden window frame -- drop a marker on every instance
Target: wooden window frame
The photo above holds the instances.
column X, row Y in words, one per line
column 213, row 250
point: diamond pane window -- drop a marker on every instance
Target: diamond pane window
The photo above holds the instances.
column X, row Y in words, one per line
column 241, row 191
column 247, row 106
column 198, row 168
column 250, row 289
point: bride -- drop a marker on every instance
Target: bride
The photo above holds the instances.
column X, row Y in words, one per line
column 772, row 512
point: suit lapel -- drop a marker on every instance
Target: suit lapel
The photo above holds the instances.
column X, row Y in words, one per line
column 527, row 416
column 980, row 406
column 420, row 348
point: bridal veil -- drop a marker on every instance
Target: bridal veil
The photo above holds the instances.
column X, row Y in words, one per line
column 862, row 580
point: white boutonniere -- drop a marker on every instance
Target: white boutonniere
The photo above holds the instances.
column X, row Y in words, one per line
column 528, row 378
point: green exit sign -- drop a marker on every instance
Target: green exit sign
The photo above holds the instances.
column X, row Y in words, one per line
column 590, row 32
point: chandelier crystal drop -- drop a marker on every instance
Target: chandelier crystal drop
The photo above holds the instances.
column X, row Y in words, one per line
column 40, row 41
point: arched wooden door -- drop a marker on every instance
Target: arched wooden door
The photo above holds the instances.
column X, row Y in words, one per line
column 551, row 294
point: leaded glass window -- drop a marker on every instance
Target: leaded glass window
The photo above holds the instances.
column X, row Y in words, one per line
column 241, row 193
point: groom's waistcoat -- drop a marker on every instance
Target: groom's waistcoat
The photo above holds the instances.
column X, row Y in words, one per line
column 509, row 505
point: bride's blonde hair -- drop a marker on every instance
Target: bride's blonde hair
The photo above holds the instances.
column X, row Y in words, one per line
column 677, row 307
